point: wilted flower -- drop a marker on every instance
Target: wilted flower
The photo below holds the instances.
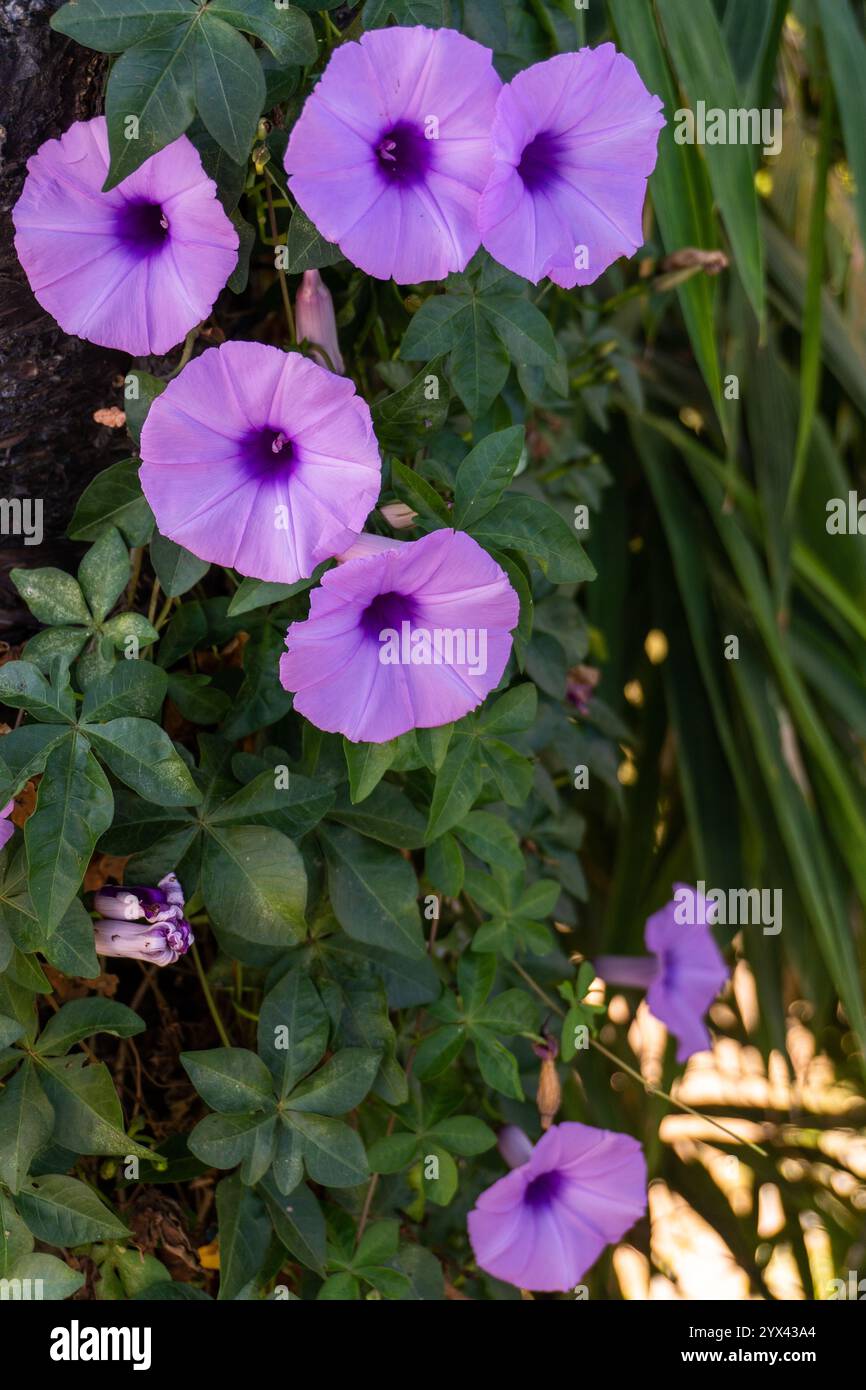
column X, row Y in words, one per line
column 143, row 923
column 7, row 829
column 392, row 149
column 135, row 268
column 574, row 141
column 315, row 321
column 683, row 975
column 278, row 477
column 403, row 635
column 543, row 1225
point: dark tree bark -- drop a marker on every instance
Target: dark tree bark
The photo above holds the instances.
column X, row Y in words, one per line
column 50, row 383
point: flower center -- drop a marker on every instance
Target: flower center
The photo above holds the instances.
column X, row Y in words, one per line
column 268, row 451
column 403, row 154
column 143, row 226
column 387, row 611
column 540, row 162
column 541, row 1191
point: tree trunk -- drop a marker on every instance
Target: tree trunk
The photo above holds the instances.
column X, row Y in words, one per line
column 50, row 383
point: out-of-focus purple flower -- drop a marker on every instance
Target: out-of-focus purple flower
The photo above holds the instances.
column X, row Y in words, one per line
column 315, row 320
column 574, row 142
column 683, row 975
column 7, row 829
column 392, row 149
column 580, row 687
column 135, row 268
column 260, row 459
column 543, row 1225
column 410, row 636
column 143, row 923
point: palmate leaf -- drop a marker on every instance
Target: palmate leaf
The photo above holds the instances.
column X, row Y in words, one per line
column 200, row 64
column 73, row 808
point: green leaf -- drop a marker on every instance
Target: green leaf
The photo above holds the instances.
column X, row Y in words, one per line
column 229, row 85
column 485, row 473
column 87, row 1114
column 704, row 71
column 298, row 1223
column 110, row 26
column 114, row 498
column 142, row 755
column 53, row 1277
column 231, row 1079
column 457, row 786
column 443, row 863
column 333, row 1153
column 679, row 186
column 416, row 492
column 150, row 99
column 23, row 686
column 373, row 892
column 846, row 51
column 367, row 764
column 15, row 1239
column 339, row 1085
column 392, row 1153
column 26, row 1120
column 441, row 1188
column 134, row 688
column 65, row 1212
column 254, row 884
column 259, row 593
column 223, row 1141
column 74, row 806
column 306, row 249
column 522, row 327
column 51, row 595
column 511, row 713
column 405, row 420
column 140, row 390
column 245, row 1233
column 176, row 569
column 464, row 1134
column 286, row 30
column 81, row 1018
column 491, row 838
column 293, row 1030
column 104, row 573
column 386, row 814
column 522, row 523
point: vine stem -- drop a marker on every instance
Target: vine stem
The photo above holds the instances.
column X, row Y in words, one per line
column 631, row 1071
column 284, row 286
column 209, row 999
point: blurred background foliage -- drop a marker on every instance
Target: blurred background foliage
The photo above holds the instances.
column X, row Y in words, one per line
column 740, row 414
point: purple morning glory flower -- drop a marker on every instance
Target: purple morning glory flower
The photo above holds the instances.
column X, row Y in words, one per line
column 7, row 829
column 543, row 1225
column 403, row 635
column 683, row 975
column 143, row 923
column 135, row 268
column 392, row 150
column 260, row 459
column 574, row 142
